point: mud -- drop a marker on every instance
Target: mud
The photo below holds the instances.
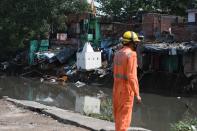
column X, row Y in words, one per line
column 13, row 118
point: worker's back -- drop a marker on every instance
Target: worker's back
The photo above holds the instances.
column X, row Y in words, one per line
column 121, row 59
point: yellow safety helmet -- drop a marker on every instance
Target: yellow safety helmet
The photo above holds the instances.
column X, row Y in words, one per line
column 130, row 36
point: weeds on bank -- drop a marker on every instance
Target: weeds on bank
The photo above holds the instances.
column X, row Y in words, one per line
column 106, row 111
column 188, row 124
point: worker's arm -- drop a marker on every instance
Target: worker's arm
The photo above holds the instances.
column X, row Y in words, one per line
column 132, row 74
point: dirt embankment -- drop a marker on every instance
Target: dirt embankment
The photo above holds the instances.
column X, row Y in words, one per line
column 13, row 118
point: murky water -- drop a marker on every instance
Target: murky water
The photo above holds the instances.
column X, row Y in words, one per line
column 155, row 113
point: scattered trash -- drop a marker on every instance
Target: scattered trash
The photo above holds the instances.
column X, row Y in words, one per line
column 71, row 72
column 4, row 65
column 32, row 72
column 101, row 94
column 102, row 75
column 53, row 80
column 45, row 54
column 65, row 54
column 194, row 128
column 178, row 97
column 48, row 100
column 41, row 79
column 66, row 68
column 63, row 78
column 79, row 84
column 102, row 72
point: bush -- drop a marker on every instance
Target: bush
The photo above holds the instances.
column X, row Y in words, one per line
column 106, row 111
column 188, row 124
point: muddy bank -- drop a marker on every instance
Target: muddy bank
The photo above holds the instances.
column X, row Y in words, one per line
column 13, row 118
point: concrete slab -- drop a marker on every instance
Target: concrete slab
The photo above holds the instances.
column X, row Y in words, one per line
column 70, row 116
column 15, row 118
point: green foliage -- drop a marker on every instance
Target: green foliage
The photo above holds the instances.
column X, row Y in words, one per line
column 106, row 111
column 24, row 19
column 127, row 8
column 186, row 125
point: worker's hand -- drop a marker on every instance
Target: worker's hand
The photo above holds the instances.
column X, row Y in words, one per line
column 139, row 99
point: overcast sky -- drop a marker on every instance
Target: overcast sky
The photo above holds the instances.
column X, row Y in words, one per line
column 95, row 3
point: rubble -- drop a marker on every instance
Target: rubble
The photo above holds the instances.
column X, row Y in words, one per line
column 169, row 47
column 4, row 65
column 80, row 54
column 79, row 84
column 63, row 78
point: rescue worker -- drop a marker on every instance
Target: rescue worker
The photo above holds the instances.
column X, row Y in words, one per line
column 125, row 81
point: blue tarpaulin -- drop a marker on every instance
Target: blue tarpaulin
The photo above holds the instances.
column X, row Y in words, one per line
column 65, row 54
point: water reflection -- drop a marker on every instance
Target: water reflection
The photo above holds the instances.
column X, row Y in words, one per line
column 155, row 113
column 25, row 89
column 87, row 105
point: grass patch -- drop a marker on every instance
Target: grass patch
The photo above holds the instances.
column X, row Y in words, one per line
column 106, row 111
column 188, row 124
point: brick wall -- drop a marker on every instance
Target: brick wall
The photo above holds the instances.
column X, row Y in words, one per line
column 149, row 23
column 153, row 22
column 166, row 22
column 115, row 29
column 184, row 32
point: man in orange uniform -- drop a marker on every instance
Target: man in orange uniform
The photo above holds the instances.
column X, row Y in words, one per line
column 125, row 81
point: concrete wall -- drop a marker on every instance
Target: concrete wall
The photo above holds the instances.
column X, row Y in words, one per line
column 191, row 17
column 87, row 104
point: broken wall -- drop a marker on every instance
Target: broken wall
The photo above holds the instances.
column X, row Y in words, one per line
column 153, row 23
column 166, row 22
column 184, row 32
column 114, row 29
column 149, row 23
column 190, row 63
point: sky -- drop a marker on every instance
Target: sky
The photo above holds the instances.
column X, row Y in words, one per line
column 95, row 3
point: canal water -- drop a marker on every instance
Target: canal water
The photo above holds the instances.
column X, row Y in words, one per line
column 156, row 112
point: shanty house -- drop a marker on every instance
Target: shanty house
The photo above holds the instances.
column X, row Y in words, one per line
column 192, row 16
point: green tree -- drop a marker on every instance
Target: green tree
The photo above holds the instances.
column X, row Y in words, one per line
column 176, row 7
column 26, row 18
column 126, row 8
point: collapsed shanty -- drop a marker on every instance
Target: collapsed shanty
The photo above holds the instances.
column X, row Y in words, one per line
column 172, row 58
column 89, row 43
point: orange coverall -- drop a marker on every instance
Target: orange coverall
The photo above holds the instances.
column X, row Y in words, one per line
column 125, row 87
